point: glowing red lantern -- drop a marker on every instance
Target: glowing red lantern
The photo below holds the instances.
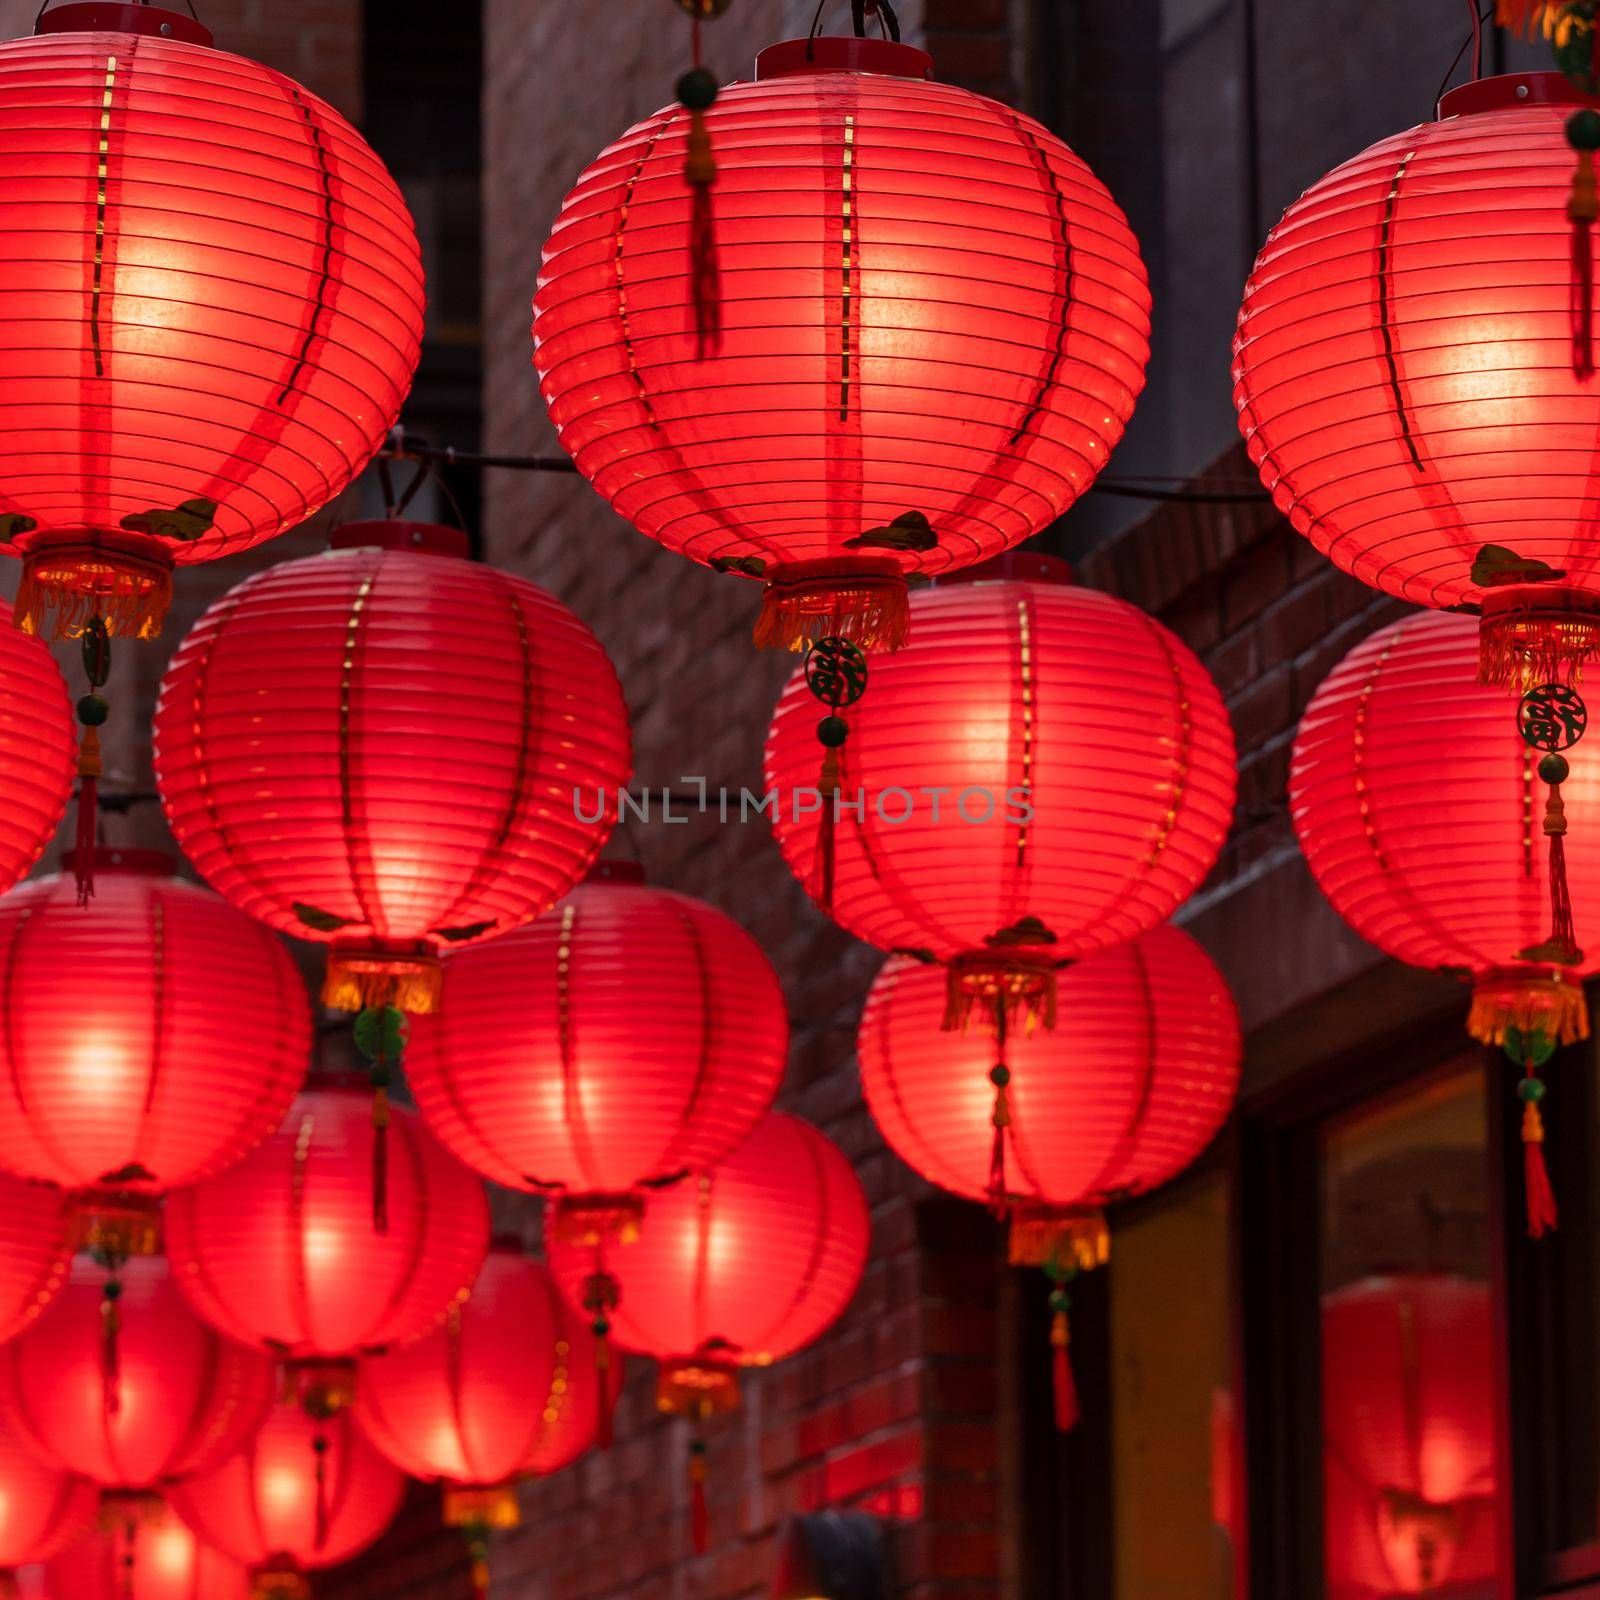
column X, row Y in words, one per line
column 301, row 1495
column 122, row 1076
column 37, row 755
column 1408, row 1455
column 1051, row 1127
column 280, row 1252
column 203, row 341
column 934, row 324
column 391, row 748
column 34, row 1251
column 506, row 1389
column 134, row 1391
column 1044, row 772
column 44, row 1507
column 144, row 1558
column 1404, row 377
column 649, row 1036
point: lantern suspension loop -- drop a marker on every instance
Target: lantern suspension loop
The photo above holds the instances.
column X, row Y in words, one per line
column 860, row 11
column 1474, row 39
column 46, row 6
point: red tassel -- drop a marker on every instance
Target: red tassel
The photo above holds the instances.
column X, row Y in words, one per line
column 699, row 1518
column 380, row 1160
column 608, row 1387
column 1000, row 1077
column 320, row 1446
column 1582, row 209
column 110, row 1351
column 1562, row 932
column 1068, row 1411
column 89, row 773
column 1541, row 1199
column 827, row 833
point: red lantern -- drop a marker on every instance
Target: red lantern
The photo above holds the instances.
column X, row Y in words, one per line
column 1408, row 1453
column 34, row 1252
column 204, row 339
column 145, row 1558
column 37, row 756
column 134, row 1391
column 301, row 1495
column 648, row 1037
column 1404, row 376
column 122, row 1075
column 390, row 748
column 934, row 324
column 1044, row 772
column 279, row 1251
column 1051, row 1127
column 505, row 1390
column 44, row 1507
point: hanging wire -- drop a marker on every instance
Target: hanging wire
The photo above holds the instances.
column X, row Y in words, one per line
column 1474, row 42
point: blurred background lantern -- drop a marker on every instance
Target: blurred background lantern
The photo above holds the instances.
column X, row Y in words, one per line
column 42, row 1506
column 279, row 1251
column 204, row 341
column 736, row 1267
column 131, row 1391
column 648, row 1037
column 437, row 729
column 1408, row 1438
column 506, row 1389
column 34, row 1250
column 1412, row 404
column 1049, row 1128
column 301, row 1494
column 1084, row 769
column 37, row 756
column 124, row 1023
column 932, row 323
column 150, row 1557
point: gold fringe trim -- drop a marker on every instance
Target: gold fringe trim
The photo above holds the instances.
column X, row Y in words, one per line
column 65, row 587
column 864, row 601
column 114, row 1224
column 1528, row 636
column 702, row 1387
column 357, row 979
column 591, row 1220
column 1024, row 990
column 1527, row 999
column 481, row 1506
column 321, row 1389
column 279, row 1582
column 1042, row 1236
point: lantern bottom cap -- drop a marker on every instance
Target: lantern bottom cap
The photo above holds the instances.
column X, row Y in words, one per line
column 114, row 1225
column 1021, row 988
column 322, row 1387
column 481, row 1506
column 697, row 1386
column 406, row 976
column 1068, row 1236
column 123, row 1508
column 860, row 598
column 124, row 581
column 279, row 1580
column 1530, row 998
column 589, row 1220
column 1537, row 633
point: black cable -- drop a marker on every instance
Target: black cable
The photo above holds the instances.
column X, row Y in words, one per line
column 1475, row 38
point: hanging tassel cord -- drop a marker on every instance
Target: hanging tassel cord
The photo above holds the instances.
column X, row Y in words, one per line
column 111, row 1344
column 1068, row 1410
column 697, row 93
column 93, row 709
column 476, row 1537
column 601, row 1295
column 128, row 1561
column 699, row 1515
column 380, row 1035
column 1000, row 1117
column 319, row 1447
column 832, row 731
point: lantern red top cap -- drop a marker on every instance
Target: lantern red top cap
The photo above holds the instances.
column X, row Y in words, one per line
column 432, row 538
column 1031, row 566
column 113, row 16
column 1513, row 89
column 796, row 57
column 140, row 863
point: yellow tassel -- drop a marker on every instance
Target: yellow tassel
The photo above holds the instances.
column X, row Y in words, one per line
column 89, row 763
column 1532, row 1123
column 357, row 980
column 65, row 587
column 1521, row 15
column 1042, row 1236
column 862, row 599
column 1023, row 991
column 1533, row 633
column 1530, row 1000
column 1583, row 205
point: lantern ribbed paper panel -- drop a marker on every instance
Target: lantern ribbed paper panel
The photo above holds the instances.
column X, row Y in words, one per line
column 42, row 1507
column 37, row 750
column 935, row 322
column 507, row 1387
column 648, row 1037
column 151, row 1037
column 260, row 1506
column 1404, row 376
column 280, row 1250
column 186, row 1396
column 1417, row 803
column 381, row 747
column 34, row 1250
column 743, row 1265
column 210, row 314
column 1408, row 1438
column 1128, row 1089
column 1014, row 696
column 145, row 1560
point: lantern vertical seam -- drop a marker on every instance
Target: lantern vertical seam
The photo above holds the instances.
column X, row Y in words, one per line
column 891, row 1077
column 324, row 271
column 1386, row 305
column 1529, row 859
column 404, row 1134
column 571, row 1100
column 1180, row 779
column 625, row 205
column 453, row 1383
column 557, row 1309
column 700, row 1314
column 821, row 1222
column 102, row 188
column 1026, row 690
column 1410, row 1381
column 360, row 869
column 201, row 1423
column 667, row 1162
column 1126, row 1144
column 252, row 1495
column 445, row 1059
column 847, row 219
column 1067, row 276
column 343, row 1476
column 158, row 1014
column 299, row 1288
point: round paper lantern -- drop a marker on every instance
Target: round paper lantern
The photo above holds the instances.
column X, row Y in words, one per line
column 302, row 1494
column 934, row 324
column 1408, row 1454
column 1417, row 804
column 1404, row 376
column 146, row 1558
column 134, row 1391
column 37, row 748
column 34, row 1251
column 648, row 1037
column 506, row 1389
column 391, row 748
column 1044, row 772
column 202, row 339
column 44, row 1507
column 280, row 1251
column 151, row 1038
